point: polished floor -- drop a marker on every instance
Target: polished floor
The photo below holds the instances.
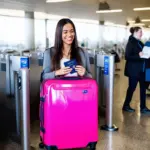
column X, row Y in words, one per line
column 134, row 128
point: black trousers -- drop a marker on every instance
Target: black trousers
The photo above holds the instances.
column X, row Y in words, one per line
column 133, row 81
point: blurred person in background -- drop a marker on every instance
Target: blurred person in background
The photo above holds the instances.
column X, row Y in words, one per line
column 135, row 70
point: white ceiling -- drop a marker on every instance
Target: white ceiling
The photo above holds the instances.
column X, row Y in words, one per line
column 83, row 8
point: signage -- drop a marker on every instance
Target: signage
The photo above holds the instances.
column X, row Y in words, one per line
column 106, row 65
column 24, row 62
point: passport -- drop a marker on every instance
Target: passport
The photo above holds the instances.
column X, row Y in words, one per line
column 72, row 64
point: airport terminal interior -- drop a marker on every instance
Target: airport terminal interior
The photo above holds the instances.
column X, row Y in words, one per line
column 27, row 29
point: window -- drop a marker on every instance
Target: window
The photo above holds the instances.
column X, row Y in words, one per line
column 12, row 33
column 40, row 34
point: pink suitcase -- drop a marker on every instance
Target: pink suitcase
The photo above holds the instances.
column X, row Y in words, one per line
column 69, row 114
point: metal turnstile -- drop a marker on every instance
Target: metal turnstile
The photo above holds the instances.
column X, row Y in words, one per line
column 105, row 79
column 19, row 65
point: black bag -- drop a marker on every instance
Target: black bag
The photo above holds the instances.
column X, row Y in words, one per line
column 117, row 59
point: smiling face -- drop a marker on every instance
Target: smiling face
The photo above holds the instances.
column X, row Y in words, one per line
column 68, row 34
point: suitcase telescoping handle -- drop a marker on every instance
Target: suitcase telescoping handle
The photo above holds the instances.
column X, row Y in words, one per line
column 71, row 78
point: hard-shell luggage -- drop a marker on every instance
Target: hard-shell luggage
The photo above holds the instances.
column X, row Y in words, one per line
column 69, row 113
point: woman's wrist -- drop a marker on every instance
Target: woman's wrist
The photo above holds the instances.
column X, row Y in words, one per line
column 56, row 73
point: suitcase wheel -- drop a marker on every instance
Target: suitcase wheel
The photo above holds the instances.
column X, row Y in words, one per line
column 92, row 146
column 41, row 145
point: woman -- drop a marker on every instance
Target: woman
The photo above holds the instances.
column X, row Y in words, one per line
column 135, row 70
column 65, row 49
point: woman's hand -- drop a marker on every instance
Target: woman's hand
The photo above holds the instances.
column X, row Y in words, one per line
column 63, row 71
column 80, row 70
column 140, row 54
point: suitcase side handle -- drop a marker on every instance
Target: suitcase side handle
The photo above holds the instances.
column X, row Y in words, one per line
column 42, row 115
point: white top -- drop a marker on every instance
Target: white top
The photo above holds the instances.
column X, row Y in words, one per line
column 146, row 52
column 62, row 66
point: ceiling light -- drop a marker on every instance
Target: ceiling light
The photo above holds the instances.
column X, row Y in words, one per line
column 138, row 24
column 109, row 11
column 57, row 1
column 12, row 12
column 145, row 20
column 114, row 25
column 105, row 8
column 140, row 9
column 120, row 25
column 42, row 15
column 131, row 21
column 85, row 21
column 108, row 23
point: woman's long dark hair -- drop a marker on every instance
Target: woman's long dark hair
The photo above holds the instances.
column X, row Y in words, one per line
column 59, row 45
